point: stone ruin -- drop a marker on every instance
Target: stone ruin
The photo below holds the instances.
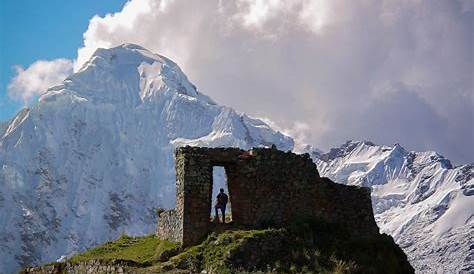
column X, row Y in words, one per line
column 266, row 187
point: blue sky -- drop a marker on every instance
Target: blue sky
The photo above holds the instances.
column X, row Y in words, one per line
column 47, row 29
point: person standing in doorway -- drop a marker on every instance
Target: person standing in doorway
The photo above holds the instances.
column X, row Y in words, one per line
column 221, row 203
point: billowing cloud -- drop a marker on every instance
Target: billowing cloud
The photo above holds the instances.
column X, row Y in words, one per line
column 299, row 131
column 388, row 71
column 37, row 78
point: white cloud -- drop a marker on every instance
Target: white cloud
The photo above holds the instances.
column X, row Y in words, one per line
column 256, row 13
column 326, row 64
column 337, row 66
column 171, row 26
column 301, row 132
column 37, row 78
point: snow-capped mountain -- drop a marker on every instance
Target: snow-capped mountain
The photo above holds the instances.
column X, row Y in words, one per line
column 419, row 198
column 94, row 157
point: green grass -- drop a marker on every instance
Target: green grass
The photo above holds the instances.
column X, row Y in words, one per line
column 213, row 253
column 232, row 251
column 139, row 250
column 307, row 246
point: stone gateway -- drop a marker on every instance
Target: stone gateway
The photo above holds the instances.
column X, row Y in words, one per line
column 267, row 187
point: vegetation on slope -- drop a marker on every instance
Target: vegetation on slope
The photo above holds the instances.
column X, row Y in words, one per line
column 304, row 247
column 140, row 251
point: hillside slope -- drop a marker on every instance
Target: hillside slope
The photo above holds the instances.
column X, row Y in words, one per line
column 304, row 247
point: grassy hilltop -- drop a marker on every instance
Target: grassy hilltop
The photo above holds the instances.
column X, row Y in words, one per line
column 304, row 247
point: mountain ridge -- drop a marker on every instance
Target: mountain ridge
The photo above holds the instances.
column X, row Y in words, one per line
column 419, row 198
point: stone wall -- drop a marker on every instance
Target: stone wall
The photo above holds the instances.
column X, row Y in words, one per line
column 92, row 266
column 350, row 206
column 266, row 187
column 170, row 226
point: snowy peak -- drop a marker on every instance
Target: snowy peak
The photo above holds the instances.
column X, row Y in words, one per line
column 356, row 149
column 396, row 161
column 127, row 74
column 363, row 163
column 426, row 158
column 123, row 55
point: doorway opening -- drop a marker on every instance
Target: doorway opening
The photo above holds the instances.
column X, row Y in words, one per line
column 219, row 179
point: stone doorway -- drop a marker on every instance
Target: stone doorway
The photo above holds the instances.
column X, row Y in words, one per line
column 220, row 180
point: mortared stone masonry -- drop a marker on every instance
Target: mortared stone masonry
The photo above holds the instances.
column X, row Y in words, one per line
column 267, row 187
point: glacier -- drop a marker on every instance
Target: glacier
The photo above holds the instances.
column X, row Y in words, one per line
column 419, row 198
column 93, row 158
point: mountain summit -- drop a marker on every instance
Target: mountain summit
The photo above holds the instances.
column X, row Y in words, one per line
column 94, row 157
column 126, row 75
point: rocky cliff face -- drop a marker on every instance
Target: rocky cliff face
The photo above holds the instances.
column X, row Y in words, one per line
column 419, row 198
column 94, row 157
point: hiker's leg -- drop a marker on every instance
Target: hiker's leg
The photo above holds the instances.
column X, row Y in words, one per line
column 223, row 213
column 217, row 213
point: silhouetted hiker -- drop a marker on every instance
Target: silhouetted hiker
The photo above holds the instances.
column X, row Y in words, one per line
column 221, row 203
